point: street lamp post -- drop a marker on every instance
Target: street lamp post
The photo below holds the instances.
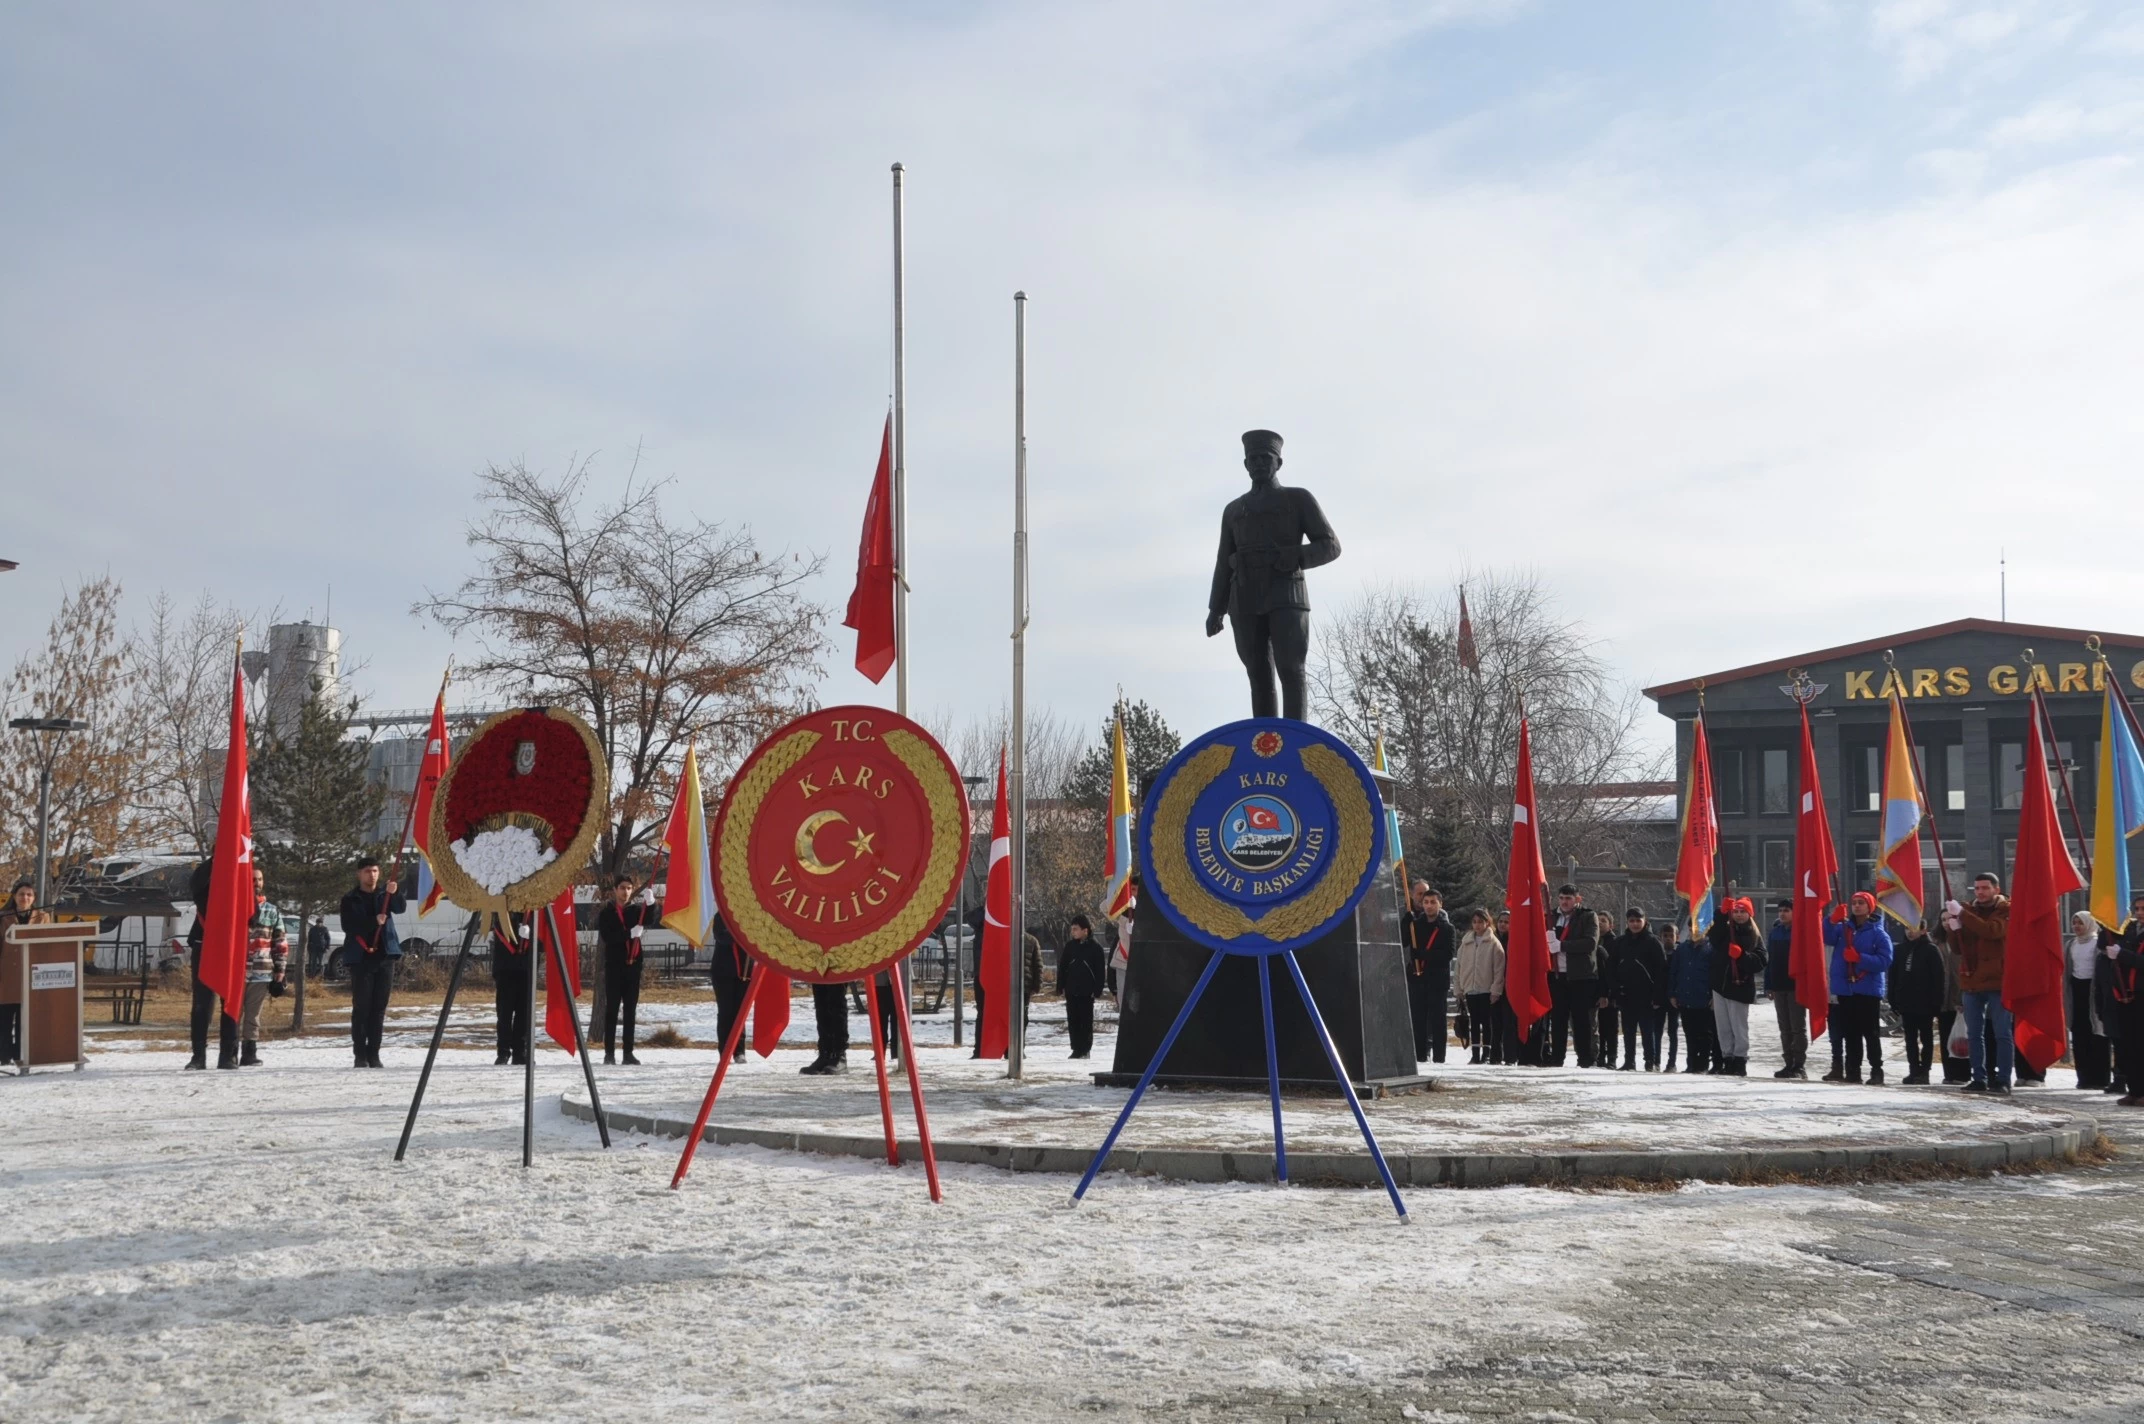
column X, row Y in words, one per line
column 47, row 751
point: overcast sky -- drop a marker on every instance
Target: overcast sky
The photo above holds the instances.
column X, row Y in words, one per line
column 1750, row 327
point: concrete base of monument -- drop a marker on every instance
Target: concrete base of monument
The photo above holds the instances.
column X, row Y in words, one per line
column 1483, row 1126
column 1326, row 1086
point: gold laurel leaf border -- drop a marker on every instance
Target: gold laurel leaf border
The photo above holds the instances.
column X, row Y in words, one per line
column 1351, row 855
column 546, row 884
column 775, row 941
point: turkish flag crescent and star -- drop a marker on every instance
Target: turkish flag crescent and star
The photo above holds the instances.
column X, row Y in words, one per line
column 1526, row 896
column 871, row 601
column 993, row 1034
column 1816, row 864
column 557, row 1016
column 2044, row 873
column 222, row 965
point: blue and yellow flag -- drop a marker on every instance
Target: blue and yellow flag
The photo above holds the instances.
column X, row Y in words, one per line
column 1899, row 881
column 2120, row 812
column 1117, row 887
column 1392, row 814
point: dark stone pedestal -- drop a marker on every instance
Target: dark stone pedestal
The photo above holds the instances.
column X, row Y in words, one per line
column 1357, row 973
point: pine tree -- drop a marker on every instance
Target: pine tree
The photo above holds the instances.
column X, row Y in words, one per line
column 1443, row 854
column 1149, row 742
column 314, row 815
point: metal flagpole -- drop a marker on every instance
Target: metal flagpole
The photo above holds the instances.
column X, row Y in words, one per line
column 900, row 460
column 1017, row 788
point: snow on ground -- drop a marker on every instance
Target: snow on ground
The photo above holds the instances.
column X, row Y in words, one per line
column 240, row 1245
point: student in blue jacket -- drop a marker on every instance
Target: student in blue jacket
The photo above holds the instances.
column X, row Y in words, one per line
column 1860, row 958
column 1690, row 999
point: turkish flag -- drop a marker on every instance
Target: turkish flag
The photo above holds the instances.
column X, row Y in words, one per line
column 222, row 964
column 1261, row 819
column 557, row 1015
column 1526, row 896
column 770, row 1008
column 871, row 601
column 993, row 1032
column 430, row 772
column 2032, row 956
column 1816, row 866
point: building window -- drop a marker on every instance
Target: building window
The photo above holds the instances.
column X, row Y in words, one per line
column 1954, row 776
column 1778, row 795
column 1864, row 866
column 2010, row 775
column 1867, row 766
column 1778, row 864
column 1730, row 791
column 1734, row 861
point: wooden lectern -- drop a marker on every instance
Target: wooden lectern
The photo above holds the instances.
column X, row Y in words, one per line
column 41, row 969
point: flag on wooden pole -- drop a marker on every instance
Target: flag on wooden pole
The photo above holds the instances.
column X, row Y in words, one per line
column 1117, row 886
column 1696, row 859
column 1816, row 864
column 430, row 773
column 1898, row 854
column 2119, row 813
column 2032, row 953
column 1526, row 896
column 689, row 893
column 222, row 962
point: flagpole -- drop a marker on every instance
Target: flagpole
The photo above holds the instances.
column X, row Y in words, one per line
column 1920, row 783
column 1018, row 775
column 900, row 453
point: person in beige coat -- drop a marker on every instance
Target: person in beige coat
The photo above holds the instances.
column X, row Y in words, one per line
column 1478, row 975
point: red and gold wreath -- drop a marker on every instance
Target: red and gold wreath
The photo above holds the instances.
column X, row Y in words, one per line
column 517, row 816
column 840, row 843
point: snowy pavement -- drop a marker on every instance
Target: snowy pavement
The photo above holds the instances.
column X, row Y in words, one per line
column 240, row 1246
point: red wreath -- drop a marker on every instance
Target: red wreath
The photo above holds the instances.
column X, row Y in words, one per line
column 485, row 785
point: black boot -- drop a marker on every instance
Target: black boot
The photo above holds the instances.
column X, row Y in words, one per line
column 505, row 1056
column 815, row 1067
column 198, row 1063
column 610, row 1058
column 249, row 1055
column 630, row 1060
column 227, row 1059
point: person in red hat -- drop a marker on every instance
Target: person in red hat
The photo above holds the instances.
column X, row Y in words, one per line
column 1860, row 958
column 1737, row 970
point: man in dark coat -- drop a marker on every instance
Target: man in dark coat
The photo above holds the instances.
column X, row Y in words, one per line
column 1606, row 1007
column 620, row 925
column 1690, row 996
column 1916, row 994
column 1779, row 988
column 729, row 969
column 510, row 970
column 2127, row 956
column 1640, row 989
column 317, row 944
column 205, row 1002
column 1573, row 977
column 2106, row 980
column 1081, row 974
column 1430, row 939
column 371, row 948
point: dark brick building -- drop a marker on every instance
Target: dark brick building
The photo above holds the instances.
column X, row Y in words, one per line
column 1964, row 686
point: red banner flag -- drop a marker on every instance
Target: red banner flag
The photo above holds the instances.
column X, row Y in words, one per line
column 993, row 976
column 1695, row 861
column 871, row 601
column 770, row 1009
column 2032, row 956
column 1469, row 656
column 222, row 963
column 1816, row 866
column 557, row 1017
column 1526, row 896
column 430, row 772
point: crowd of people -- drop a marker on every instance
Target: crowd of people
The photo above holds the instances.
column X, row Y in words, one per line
column 1663, row 991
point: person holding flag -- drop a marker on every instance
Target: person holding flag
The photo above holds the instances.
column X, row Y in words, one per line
column 1860, row 957
column 1816, row 869
column 511, row 965
column 370, row 947
column 625, row 917
column 1526, row 947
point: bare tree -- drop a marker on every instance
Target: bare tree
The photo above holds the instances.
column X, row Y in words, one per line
column 660, row 632
column 181, row 670
column 1451, row 734
column 82, row 672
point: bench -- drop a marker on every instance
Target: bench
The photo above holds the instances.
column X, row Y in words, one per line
column 125, row 999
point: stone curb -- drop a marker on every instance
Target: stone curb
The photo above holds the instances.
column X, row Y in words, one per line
column 1422, row 1169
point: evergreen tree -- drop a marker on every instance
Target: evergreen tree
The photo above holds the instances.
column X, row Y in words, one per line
column 1149, row 742
column 314, row 815
column 1443, row 854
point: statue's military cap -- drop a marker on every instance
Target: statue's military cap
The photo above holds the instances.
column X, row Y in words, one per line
column 1255, row 441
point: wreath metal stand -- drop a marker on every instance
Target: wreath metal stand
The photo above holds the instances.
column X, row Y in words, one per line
column 1265, row 999
column 528, row 1076
column 878, row 1061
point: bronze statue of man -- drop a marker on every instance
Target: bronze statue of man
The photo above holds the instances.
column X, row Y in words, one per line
column 1268, row 537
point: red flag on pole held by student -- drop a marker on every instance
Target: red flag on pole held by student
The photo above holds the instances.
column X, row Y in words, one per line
column 1526, row 896
column 557, row 1018
column 871, row 601
column 1469, row 655
column 222, row 965
column 1816, row 865
column 2044, row 873
column 993, row 976
column 430, row 772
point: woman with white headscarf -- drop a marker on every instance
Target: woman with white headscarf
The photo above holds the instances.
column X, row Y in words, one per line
column 2088, row 1036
